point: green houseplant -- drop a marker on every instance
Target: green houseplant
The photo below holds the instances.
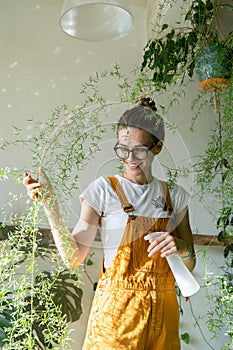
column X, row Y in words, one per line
column 171, row 56
column 214, row 176
column 172, row 52
column 35, row 304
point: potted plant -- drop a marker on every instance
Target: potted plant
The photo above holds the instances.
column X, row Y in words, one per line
column 176, row 52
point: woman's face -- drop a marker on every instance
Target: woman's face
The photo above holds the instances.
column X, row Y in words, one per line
column 134, row 139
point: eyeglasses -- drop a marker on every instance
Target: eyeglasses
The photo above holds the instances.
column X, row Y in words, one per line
column 139, row 153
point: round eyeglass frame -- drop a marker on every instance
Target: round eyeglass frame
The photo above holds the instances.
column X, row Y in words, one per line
column 146, row 149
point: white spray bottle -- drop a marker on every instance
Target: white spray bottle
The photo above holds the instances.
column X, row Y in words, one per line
column 184, row 278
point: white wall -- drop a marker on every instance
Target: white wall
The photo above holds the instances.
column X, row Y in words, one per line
column 41, row 68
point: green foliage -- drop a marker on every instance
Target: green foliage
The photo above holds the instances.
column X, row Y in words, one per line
column 71, row 137
column 185, row 337
column 202, row 16
column 214, row 167
column 219, row 291
column 35, row 305
column 214, row 176
column 171, row 54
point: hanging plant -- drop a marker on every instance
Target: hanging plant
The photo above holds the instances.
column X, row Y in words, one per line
column 174, row 53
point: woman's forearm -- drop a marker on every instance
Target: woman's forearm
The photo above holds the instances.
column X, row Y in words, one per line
column 67, row 247
column 74, row 247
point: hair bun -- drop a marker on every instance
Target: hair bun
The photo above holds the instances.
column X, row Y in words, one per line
column 147, row 102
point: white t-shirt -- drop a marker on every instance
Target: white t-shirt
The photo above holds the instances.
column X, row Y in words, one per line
column 147, row 200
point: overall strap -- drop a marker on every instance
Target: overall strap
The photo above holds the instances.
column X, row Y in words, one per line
column 168, row 203
column 127, row 207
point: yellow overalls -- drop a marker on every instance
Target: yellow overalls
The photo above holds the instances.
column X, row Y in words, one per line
column 135, row 305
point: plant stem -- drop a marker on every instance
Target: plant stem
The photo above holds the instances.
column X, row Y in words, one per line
column 216, row 103
column 199, row 327
column 32, row 270
column 221, row 153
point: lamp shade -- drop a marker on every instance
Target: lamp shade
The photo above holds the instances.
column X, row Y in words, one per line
column 96, row 20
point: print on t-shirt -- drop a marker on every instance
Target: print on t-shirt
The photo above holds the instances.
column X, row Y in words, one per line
column 159, row 202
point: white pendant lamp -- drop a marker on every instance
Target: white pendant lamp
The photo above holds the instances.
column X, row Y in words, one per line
column 96, row 20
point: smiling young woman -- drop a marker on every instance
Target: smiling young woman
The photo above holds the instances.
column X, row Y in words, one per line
column 135, row 305
column 137, row 149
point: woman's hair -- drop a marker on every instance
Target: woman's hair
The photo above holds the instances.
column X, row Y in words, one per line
column 143, row 116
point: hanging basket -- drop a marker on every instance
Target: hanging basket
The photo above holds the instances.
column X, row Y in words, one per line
column 213, row 68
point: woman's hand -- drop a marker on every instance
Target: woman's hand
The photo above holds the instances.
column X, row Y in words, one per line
column 166, row 243
column 38, row 190
column 179, row 241
column 32, row 185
